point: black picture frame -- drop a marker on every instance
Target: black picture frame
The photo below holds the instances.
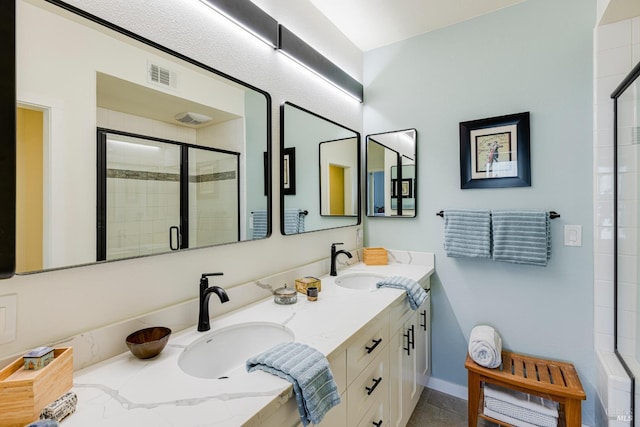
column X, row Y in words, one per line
column 407, row 188
column 289, row 171
column 495, row 152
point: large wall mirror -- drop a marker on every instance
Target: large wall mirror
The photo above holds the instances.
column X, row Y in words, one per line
column 391, row 174
column 320, row 172
column 126, row 148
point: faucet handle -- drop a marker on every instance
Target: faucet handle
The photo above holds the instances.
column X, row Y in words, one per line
column 211, row 274
column 334, row 244
column 204, row 281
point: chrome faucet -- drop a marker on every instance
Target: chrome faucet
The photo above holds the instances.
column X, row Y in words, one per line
column 205, row 294
column 334, row 255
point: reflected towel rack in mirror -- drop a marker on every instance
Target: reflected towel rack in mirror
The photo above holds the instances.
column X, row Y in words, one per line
column 552, row 214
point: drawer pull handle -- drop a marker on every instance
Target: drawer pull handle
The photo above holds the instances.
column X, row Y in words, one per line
column 424, row 320
column 408, row 347
column 373, row 387
column 413, row 337
column 377, row 424
column 373, row 347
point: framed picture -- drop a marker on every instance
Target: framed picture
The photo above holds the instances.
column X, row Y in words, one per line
column 289, row 171
column 406, row 188
column 494, row 152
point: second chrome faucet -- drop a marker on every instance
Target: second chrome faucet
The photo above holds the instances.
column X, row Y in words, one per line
column 334, row 255
column 205, row 294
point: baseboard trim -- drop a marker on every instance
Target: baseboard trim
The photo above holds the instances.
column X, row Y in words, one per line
column 447, row 387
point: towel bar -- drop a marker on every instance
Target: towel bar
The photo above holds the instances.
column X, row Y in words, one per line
column 552, row 214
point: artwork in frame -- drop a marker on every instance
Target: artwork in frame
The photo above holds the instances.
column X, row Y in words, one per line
column 494, row 152
column 289, row 171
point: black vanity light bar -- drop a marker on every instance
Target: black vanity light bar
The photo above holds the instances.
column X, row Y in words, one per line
column 250, row 17
column 262, row 25
column 298, row 50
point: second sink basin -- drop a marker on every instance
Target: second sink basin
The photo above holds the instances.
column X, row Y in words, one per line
column 221, row 352
column 359, row 281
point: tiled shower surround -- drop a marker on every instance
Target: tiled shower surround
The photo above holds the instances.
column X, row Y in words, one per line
column 617, row 50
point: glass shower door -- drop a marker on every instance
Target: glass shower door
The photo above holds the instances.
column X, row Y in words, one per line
column 143, row 196
column 214, row 204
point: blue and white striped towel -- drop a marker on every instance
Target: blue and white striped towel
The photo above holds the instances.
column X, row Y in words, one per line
column 521, row 237
column 293, row 221
column 308, row 370
column 467, row 233
column 259, row 224
column 415, row 294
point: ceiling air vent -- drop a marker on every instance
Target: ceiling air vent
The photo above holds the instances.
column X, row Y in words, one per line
column 162, row 76
column 192, row 118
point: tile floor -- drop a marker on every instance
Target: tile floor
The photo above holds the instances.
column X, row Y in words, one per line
column 437, row 409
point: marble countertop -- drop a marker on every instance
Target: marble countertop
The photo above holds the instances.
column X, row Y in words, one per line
column 125, row 391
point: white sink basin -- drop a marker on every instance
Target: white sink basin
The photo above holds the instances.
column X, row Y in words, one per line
column 217, row 354
column 359, row 281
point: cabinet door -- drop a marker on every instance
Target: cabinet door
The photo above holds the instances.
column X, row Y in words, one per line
column 404, row 390
column 411, row 387
column 423, row 342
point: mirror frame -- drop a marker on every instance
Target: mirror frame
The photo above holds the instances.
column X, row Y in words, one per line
column 358, row 215
column 415, row 176
column 8, row 121
column 8, row 145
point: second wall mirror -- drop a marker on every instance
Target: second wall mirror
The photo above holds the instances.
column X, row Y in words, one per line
column 391, row 174
column 320, row 172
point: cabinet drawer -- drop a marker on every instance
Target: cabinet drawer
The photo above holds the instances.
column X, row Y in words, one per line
column 377, row 415
column 368, row 388
column 369, row 342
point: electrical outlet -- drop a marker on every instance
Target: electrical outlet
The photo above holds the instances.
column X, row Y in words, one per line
column 8, row 305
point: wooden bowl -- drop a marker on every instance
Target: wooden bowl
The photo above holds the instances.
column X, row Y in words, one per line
column 148, row 342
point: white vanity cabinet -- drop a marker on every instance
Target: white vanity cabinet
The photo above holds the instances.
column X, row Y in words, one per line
column 409, row 359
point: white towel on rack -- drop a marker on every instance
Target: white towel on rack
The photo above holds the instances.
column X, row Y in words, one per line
column 485, row 346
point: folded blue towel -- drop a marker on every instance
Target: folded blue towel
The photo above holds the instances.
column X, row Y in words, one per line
column 467, row 233
column 259, row 224
column 308, row 370
column 293, row 221
column 415, row 294
column 521, row 237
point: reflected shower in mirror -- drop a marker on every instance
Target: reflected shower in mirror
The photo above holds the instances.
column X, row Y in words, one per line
column 322, row 159
column 186, row 166
column 391, row 174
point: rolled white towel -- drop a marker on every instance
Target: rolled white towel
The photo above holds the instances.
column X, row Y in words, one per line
column 485, row 346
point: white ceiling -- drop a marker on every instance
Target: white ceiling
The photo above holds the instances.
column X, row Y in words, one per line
column 370, row 24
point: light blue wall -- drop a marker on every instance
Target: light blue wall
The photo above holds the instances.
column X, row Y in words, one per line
column 535, row 56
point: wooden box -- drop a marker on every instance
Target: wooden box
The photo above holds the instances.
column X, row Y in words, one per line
column 24, row 393
column 375, row 256
column 307, row 282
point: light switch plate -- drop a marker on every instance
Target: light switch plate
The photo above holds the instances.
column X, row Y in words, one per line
column 573, row 235
column 8, row 306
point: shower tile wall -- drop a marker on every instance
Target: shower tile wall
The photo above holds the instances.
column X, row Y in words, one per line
column 143, row 202
column 617, row 50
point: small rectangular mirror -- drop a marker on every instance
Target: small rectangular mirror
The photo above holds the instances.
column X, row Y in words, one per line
column 391, row 174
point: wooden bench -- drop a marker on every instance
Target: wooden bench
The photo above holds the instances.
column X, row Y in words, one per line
column 557, row 381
